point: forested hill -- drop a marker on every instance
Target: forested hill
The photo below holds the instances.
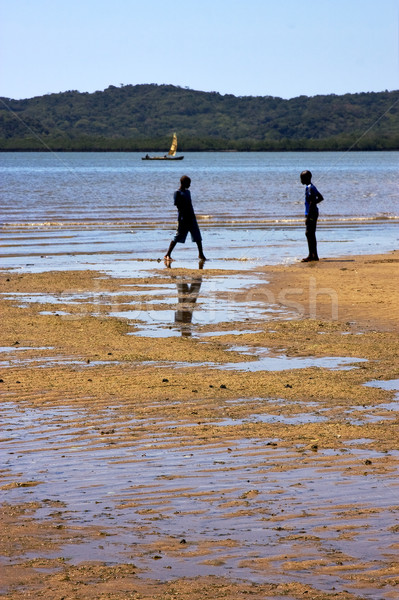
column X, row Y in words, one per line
column 143, row 117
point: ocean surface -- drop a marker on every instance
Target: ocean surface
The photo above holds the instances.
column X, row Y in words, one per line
column 75, row 210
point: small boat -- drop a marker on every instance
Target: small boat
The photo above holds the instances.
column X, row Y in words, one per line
column 171, row 155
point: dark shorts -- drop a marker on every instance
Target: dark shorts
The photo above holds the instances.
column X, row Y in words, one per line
column 311, row 223
column 184, row 227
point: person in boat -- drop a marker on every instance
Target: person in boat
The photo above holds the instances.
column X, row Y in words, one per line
column 187, row 221
column 312, row 199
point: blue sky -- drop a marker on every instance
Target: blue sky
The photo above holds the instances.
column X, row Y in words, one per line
column 280, row 48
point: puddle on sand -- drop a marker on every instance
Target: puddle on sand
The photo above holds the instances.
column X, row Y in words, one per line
column 20, row 360
column 199, row 302
column 43, row 361
column 364, row 414
column 360, row 415
column 389, row 385
column 7, row 349
column 264, row 361
column 182, row 322
column 231, row 332
column 270, row 418
column 53, row 361
column 267, row 361
column 191, row 301
column 244, row 502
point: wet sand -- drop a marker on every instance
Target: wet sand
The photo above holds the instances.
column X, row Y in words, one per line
column 191, row 458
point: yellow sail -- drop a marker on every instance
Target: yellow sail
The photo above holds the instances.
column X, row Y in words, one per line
column 173, row 147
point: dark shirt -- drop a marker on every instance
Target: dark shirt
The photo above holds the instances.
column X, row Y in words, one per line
column 312, row 198
column 182, row 200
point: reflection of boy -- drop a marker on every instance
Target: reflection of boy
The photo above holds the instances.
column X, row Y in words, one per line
column 312, row 198
column 187, row 297
column 187, row 221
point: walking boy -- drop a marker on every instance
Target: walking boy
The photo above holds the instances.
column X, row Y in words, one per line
column 312, row 198
column 187, row 221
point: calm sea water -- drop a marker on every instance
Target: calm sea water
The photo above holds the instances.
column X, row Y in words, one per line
column 120, row 188
column 248, row 204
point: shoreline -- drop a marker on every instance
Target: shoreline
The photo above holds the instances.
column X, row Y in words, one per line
column 125, row 253
column 139, row 465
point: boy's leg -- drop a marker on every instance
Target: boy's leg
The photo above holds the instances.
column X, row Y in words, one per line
column 201, row 254
column 307, row 233
column 313, row 241
column 314, row 249
column 169, row 252
column 196, row 237
column 181, row 234
column 311, row 238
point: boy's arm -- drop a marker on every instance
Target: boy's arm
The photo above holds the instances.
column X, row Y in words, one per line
column 315, row 196
column 178, row 200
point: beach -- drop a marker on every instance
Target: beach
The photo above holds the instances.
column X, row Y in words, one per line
column 221, row 430
column 190, row 433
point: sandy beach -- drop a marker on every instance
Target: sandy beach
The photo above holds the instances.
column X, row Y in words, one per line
column 252, row 457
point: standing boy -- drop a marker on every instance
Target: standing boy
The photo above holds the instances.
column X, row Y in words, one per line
column 187, row 221
column 312, row 198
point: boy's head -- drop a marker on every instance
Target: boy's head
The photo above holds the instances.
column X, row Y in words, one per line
column 185, row 182
column 306, row 177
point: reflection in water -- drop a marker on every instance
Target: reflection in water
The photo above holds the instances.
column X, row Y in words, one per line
column 187, row 294
column 188, row 289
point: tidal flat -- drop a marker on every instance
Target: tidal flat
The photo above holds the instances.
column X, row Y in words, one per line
column 194, row 433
